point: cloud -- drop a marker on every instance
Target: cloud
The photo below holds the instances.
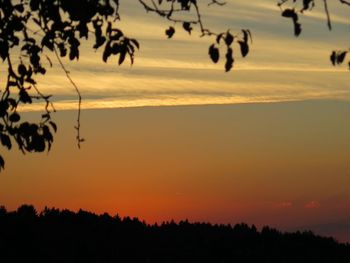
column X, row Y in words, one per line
column 179, row 72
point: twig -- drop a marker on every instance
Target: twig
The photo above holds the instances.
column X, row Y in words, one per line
column 328, row 15
column 79, row 139
column 345, row 2
column 216, row 2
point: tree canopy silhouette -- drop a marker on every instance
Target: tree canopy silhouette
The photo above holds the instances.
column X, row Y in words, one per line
column 30, row 29
column 54, row 235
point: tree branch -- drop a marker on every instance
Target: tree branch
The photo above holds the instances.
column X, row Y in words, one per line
column 328, row 15
column 216, row 2
column 345, row 2
column 77, row 127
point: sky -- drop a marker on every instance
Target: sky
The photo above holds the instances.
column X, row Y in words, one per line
column 266, row 144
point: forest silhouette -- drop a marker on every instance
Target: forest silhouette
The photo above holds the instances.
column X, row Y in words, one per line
column 55, row 235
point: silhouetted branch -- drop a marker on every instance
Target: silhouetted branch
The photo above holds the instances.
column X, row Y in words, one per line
column 328, row 15
column 216, row 2
column 77, row 127
column 345, row 2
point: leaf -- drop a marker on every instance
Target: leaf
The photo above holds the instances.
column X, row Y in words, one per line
column 333, row 57
column 22, row 70
column 187, row 27
column 2, row 163
column 3, row 108
column 38, row 143
column 115, row 49
column 297, row 29
column 107, row 52
column 47, row 134
column 135, row 42
column 4, row 49
column 47, row 41
column 306, row 5
column 289, row 13
column 19, row 8
column 229, row 39
column 214, row 53
column 14, row 117
column 53, row 125
column 24, row 97
column 99, row 42
column 122, row 56
column 244, row 48
column 341, row 56
column 170, row 32
column 218, row 38
column 6, row 141
column 229, row 60
column 246, row 35
column 12, row 102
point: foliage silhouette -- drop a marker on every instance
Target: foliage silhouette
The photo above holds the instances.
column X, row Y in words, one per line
column 294, row 8
column 39, row 27
column 63, row 236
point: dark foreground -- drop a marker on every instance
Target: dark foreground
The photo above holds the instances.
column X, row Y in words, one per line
column 64, row 236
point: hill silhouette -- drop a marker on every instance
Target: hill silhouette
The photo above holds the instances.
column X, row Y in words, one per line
column 64, row 236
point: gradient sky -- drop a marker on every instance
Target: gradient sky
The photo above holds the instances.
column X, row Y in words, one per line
column 281, row 158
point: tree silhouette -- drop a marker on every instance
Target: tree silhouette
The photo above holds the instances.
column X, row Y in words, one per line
column 55, row 235
column 31, row 29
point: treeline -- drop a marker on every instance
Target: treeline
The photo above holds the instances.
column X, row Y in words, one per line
column 64, row 236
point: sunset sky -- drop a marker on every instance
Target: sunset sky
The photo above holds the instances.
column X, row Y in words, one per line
column 267, row 144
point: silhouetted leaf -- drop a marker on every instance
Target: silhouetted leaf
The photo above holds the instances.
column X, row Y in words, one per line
column 289, row 13
column 2, row 163
column 187, row 27
column 115, row 49
column 47, row 41
column 12, row 102
column 214, row 53
column 6, row 141
column 135, row 42
column 170, row 32
column 229, row 39
column 244, row 48
column 24, row 96
column 107, row 52
column 219, row 37
column 22, row 70
column 246, row 35
column 3, row 108
column 229, row 59
column 341, row 56
column 333, row 57
column 307, row 4
column 38, row 143
column 47, row 134
column 99, row 42
column 122, row 56
column 297, row 29
column 4, row 49
column 19, row 8
column 14, row 117
column 53, row 125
